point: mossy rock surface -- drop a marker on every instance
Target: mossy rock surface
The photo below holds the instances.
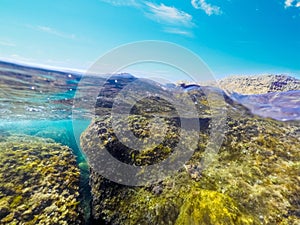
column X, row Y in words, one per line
column 211, row 208
column 39, row 182
column 254, row 178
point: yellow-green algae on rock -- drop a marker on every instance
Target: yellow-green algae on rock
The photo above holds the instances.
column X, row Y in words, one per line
column 254, row 178
column 259, row 166
column 39, row 182
column 210, row 207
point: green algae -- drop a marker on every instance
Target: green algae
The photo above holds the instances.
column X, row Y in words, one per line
column 106, row 139
column 39, row 182
column 254, row 178
column 211, row 208
column 178, row 200
column 252, row 174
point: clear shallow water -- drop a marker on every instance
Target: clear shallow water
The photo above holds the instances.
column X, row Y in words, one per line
column 283, row 106
column 38, row 103
column 27, row 93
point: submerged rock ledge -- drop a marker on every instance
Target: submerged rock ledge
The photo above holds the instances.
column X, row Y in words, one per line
column 254, row 179
column 39, row 182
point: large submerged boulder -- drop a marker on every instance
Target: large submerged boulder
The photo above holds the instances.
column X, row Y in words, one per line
column 254, row 178
column 39, row 182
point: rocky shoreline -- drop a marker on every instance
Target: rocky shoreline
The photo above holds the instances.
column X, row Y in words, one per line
column 259, row 84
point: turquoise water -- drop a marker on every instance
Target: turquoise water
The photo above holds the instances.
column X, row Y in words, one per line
column 60, row 131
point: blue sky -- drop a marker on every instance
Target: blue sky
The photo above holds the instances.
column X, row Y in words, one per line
column 231, row 36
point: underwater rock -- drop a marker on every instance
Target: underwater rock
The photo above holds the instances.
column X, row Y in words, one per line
column 39, row 182
column 254, row 178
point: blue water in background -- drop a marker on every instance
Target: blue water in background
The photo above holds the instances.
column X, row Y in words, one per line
column 283, row 106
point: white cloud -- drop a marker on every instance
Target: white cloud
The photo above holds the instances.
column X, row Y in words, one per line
column 52, row 31
column 288, row 3
column 206, row 7
column 168, row 15
column 291, row 3
column 176, row 30
column 7, row 43
column 122, row 2
column 55, row 32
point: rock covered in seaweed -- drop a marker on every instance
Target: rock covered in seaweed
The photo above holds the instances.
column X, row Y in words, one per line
column 39, row 182
column 254, row 179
